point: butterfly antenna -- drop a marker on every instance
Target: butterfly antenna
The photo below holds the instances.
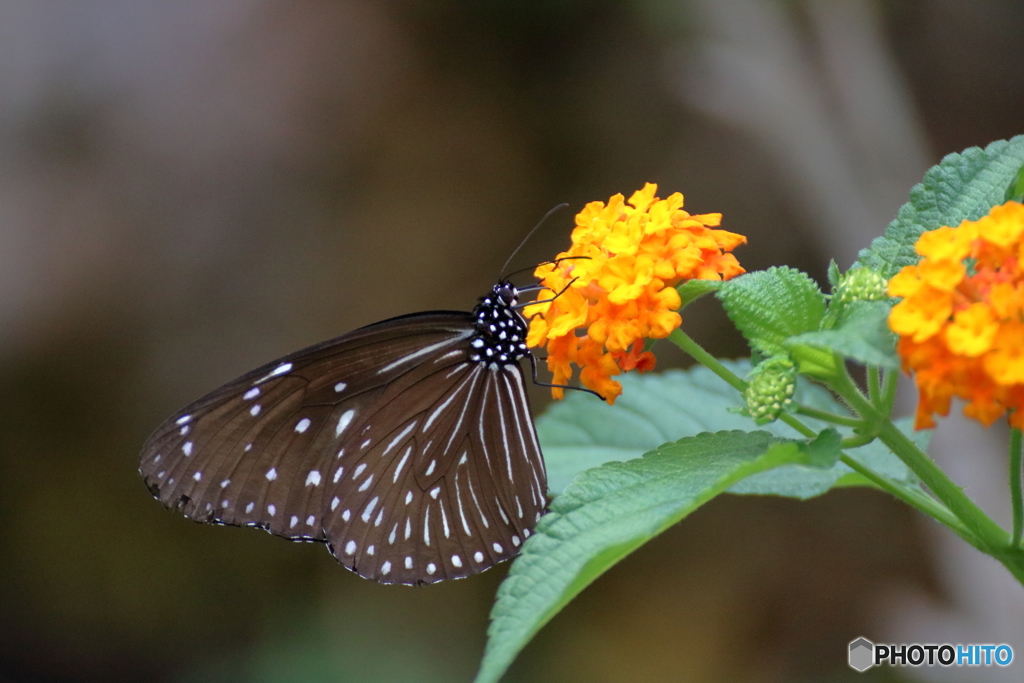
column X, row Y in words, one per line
column 529, row 235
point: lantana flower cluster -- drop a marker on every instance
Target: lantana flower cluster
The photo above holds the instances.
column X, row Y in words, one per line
column 961, row 321
column 615, row 286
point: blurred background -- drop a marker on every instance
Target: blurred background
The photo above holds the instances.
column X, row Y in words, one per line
column 190, row 189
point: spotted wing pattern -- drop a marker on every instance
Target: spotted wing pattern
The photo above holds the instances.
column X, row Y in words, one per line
column 413, row 459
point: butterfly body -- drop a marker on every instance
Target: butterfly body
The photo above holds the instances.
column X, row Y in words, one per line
column 407, row 446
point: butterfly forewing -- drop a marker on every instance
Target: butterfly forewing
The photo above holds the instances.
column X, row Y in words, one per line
column 395, row 444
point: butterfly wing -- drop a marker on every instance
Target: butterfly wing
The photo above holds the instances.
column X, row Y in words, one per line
column 412, row 462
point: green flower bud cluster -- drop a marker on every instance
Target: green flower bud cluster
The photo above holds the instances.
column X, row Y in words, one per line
column 770, row 390
column 859, row 284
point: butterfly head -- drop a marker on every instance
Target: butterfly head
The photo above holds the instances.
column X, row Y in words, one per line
column 500, row 337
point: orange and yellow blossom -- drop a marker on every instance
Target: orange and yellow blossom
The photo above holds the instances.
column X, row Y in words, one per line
column 615, row 286
column 961, row 321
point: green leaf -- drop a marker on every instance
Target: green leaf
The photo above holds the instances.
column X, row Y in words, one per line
column 799, row 481
column 834, row 274
column 691, row 290
column 862, row 334
column 963, row 186
column 1015, row 191
column 768, row 306
column 607, row 513
column 583, row 432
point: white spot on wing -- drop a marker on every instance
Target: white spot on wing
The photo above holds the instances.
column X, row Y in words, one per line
column 187, row 448
column 303, row 425
column 183, row 419
column 310, row 520
column 385, row 568
column 337, row 474
column 350, row 547
column 249, row 507
column 431, row 567
column 478, row 556
column 251, row 394
column 339, row 387
column 456, row 561
column 408, row 562
column 255, row 410
column 369, row 509
column 401, row 435
column 293, row 521
column 272, row 509
column 313, row 479
column 366, row 484
column 401, row 464
column 346, row 515
column 279, row 370
column 198, row 475
column 334, row 503
column 226, row 483
column 434, row 491
column 497, row 547
column 272, row 474
column 344, row 421
column 430, row 468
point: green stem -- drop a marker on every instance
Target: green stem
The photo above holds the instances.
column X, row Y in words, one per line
column 913, row 497
column 989, row 536
column 844, row 420
column 687, row 344
column 798, row 425
column 874, row 385
column 1016, row 497
column 889, row 391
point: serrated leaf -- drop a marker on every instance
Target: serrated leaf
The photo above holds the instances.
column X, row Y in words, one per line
column 583, row 432
column 862, row 334
column 607, row 513
column 768, row 306
column 691, row 290
column 963, row 186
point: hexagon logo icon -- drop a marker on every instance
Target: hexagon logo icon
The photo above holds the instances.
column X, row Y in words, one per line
column 862, row 654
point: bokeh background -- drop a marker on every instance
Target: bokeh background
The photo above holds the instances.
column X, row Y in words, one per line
column 189, row 189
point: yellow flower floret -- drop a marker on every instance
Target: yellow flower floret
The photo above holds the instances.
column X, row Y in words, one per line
column 961, row 320
column 615, row 286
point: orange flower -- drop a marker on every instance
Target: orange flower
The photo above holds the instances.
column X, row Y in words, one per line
column 961, row 320
column 615, row 286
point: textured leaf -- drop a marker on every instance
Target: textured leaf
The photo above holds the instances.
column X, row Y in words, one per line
column 768, row 306
column 964, row 186
column 862, row 334
column 583, row 432
column 608, row 512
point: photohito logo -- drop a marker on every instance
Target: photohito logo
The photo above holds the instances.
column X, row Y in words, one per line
column 864, row 654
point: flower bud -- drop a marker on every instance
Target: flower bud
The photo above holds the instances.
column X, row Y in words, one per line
column 770, row 390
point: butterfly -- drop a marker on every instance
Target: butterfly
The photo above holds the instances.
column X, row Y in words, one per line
column 406, row 446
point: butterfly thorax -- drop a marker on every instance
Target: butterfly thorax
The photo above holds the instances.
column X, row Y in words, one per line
column 500, row 336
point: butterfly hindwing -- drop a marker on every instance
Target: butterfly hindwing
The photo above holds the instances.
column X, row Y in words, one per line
column 414, row 461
